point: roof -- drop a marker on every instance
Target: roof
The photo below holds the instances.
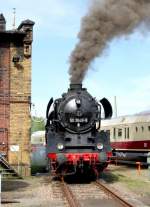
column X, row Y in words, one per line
column 26, row 22
column 11, row 35
column 127, row 120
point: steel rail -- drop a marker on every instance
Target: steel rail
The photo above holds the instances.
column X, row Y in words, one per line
column 113, row 194
column 9, row 201
column 72, row 201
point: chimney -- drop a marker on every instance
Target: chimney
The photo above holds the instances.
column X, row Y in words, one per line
column 2, row 23
column 27, row 27
column 75, row 86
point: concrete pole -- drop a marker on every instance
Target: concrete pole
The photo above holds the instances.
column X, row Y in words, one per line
column 14, row 18
column 115, row 106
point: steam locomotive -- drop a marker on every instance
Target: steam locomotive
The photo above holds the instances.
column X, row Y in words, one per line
column 74, row 142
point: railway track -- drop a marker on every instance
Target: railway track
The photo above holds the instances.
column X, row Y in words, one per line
column 73, row 202
column 113, row 194
column 93, row 194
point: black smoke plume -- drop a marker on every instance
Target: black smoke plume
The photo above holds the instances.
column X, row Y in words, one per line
column 105, row 20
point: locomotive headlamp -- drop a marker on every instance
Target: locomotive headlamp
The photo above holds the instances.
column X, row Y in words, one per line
column 100, row 146
column 78, row 102
column 60, row 146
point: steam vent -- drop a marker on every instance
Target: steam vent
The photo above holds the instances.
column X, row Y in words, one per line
column 15, row 95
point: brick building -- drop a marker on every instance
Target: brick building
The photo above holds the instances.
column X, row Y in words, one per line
column 15, row 94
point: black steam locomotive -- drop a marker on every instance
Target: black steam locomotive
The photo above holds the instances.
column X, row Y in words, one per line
column 74, row 142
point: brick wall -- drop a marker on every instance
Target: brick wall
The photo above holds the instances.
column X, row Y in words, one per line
column 15, row 95
column 20, row 120
column 4, row 97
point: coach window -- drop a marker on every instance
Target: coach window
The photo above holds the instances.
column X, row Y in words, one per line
column 119, row 132
column 142, row 129
column 125, row 134
column 114, row 133
column 128, row 133
column 136, row 129
column 108, row 132
column 148, row 128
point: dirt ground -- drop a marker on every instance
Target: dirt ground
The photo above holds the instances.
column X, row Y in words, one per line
column 38, row 190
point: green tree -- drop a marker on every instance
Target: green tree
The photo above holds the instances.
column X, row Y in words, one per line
column 37, row 124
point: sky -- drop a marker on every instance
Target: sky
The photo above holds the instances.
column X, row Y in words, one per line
column 123, row 70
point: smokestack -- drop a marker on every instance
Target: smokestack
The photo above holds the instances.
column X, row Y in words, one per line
column 75, row 87
column 106, row 20
column 2, row 23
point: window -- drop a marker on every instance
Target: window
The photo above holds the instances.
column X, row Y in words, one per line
column 148, row 128
column 142, row 129
column 119, row 132
column 136, row 129
column 108, row 132
column 27, row 50
column 128, row 133
column 114, row 133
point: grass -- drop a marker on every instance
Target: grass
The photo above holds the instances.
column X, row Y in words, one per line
column 109, row 177
column 134, row 184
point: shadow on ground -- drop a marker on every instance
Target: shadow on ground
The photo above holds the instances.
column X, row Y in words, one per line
column 11, row 185
column 109, row 177
column 75, row 179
